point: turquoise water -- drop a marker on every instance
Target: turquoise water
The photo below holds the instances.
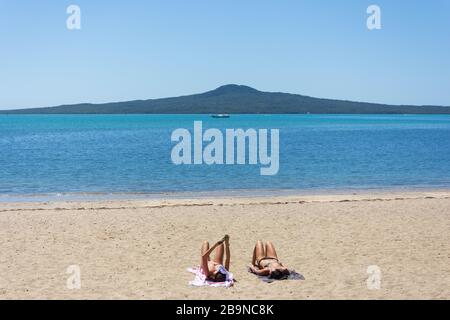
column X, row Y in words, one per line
column 130, row 154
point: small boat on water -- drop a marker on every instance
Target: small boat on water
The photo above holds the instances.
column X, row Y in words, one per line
column 220, row 116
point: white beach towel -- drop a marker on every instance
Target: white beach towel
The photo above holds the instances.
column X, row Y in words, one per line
column 201, row 281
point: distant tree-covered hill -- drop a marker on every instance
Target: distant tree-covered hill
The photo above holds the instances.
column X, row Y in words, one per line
column 234, row 99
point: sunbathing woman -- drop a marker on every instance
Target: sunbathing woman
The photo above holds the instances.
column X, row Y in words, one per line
column 265, row 262
column 216, row 270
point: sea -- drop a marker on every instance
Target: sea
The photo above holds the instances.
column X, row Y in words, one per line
column 92, row 157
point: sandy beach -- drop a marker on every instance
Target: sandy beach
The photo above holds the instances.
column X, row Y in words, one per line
column 141, row 249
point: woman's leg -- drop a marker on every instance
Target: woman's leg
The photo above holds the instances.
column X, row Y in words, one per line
column 270, row 250
column 205, row 248
column 259, row 252
column 218, row 255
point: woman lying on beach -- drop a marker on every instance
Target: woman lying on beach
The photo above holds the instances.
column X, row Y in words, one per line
column 265, row 262
column 216, row 270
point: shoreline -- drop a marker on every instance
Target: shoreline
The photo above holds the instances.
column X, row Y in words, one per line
column 215, row 194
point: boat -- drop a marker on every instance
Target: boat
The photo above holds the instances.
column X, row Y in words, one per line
column 220, row 116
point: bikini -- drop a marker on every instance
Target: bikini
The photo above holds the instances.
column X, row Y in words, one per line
column 268, row 263
column 222, row 270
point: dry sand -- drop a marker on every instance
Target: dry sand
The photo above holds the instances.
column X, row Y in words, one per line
column 140, row 249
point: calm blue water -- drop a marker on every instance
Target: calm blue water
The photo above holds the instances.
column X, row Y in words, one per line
column 131, row 154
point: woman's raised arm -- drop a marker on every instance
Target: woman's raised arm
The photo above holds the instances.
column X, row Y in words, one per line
column 227, row 252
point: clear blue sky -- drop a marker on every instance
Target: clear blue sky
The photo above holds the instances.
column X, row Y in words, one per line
column 149, row 49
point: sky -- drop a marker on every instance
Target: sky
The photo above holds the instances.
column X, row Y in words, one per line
column 128, row 50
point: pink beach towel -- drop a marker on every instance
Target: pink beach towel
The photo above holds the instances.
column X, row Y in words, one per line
column 201, row 281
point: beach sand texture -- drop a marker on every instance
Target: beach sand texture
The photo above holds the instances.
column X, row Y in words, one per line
column 141, row 249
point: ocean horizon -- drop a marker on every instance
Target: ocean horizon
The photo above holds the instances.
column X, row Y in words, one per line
column 119, row 156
